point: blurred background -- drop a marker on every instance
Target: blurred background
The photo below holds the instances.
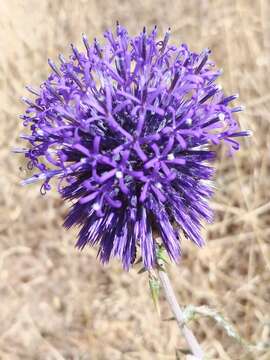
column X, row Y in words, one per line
column 58, row 303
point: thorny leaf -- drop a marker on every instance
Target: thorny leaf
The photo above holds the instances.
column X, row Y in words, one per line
column 190, row 312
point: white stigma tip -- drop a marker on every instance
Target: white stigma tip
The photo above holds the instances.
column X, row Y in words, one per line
column 221, row 116
column 249, row 133
column 170, row 157
column 189, row 121
column 96, row 206
column 219, row 87
column 158, row 185
column 242, row 107
column 119, row 174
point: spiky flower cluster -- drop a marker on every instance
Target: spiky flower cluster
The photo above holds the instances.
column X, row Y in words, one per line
column 126, row 128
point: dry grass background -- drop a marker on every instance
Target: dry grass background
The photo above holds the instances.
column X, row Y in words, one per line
column 58, row 303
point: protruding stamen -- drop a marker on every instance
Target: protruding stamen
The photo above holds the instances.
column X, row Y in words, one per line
column 246, row 133
column 166, row 40
column 31, row 103
column 225, row 101
column 62, row 58
column 239, row 108
column 20, row 151
column 86, row 44
column 211, row 93
column 34, row 179
column 32, row 90
column 203, row 60
column 54, row 67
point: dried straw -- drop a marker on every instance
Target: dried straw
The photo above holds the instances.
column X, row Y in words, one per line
column 57, row 303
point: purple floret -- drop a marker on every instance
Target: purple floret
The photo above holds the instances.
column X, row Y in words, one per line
column 129, row 130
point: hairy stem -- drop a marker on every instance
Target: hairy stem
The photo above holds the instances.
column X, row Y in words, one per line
column 178, row 314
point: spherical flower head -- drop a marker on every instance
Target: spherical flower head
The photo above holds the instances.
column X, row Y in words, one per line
column 129, row 129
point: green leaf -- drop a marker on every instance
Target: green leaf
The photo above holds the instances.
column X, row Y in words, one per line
column 162, row 257
column 154, row 286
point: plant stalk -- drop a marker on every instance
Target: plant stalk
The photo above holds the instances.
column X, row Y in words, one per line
column 193, row 344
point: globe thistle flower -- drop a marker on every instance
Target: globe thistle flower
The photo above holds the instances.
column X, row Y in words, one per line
column 129, row 130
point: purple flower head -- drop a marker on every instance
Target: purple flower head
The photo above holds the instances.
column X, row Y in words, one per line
column 129, row 129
